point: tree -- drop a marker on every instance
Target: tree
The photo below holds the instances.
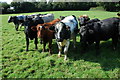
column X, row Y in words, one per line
column 111, row 6
column 4, row 7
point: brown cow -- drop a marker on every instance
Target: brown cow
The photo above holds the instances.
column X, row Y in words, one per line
column 45, row 34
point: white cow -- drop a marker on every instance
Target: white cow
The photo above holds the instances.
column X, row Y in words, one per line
column 65, row 30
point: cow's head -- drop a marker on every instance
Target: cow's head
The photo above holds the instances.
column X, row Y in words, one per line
column 40, row 32
column 11, row 19
column 86, row 32
column 61, row 31
column 83, row 19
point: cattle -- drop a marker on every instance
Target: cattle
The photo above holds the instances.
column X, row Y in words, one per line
column 64, row 31
column 100, row 30
column 29, row 33
column 47, row 17
column 45, row 34
column 17, row 20
column 83, row 19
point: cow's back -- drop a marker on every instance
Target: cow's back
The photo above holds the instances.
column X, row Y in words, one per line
column 47, row 18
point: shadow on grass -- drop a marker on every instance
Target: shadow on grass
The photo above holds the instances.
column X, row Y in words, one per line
column 108, row 59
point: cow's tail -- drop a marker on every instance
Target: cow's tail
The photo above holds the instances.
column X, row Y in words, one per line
column 119, row 29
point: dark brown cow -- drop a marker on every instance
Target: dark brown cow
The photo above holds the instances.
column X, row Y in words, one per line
column 45, row 34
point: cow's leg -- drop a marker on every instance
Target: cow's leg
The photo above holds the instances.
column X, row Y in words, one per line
column 97, row 47
column 114, row 42
column 21, row 26
column 44, row 44
column 60, row 50
column 27, row 43
column 50, row 46
column 84, row 46
column 16, row 26
column 74, row 39
column 36, row 42
column 66, row 50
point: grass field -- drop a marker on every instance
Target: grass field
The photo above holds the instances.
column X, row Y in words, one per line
column 17, row 63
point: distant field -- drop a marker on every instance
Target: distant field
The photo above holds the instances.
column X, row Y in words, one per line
column 17, row 63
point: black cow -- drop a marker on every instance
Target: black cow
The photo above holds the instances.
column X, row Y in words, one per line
column 17, row 20
column 101, row 30
column 29, row 33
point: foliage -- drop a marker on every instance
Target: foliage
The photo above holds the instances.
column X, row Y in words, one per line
column 20, row 7
column 4, row 7
column 111, row 6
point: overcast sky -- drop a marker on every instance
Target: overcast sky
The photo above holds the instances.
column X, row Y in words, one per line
column 8, row 1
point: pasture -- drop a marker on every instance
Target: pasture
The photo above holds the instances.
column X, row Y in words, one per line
column 17, row 63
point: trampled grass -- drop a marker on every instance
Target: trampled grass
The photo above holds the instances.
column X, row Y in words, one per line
column 17, row 63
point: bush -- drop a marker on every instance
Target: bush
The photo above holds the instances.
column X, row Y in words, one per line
column 111, row 6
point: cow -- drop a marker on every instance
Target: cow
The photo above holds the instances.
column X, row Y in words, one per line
column 83, row 19
column 17, row 20
column 64, row 31
column 45, row 34
column 47, row 17
column 100, row 30
column 29, row 33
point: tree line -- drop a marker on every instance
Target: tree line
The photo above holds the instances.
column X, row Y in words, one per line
column 20, row 7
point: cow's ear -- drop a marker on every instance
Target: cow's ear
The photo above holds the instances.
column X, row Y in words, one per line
column 91, row 31
column 62, row 17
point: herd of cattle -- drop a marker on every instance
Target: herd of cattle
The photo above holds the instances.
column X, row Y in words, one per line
column 45, row 27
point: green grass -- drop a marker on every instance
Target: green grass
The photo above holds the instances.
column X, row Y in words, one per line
column 17, row 63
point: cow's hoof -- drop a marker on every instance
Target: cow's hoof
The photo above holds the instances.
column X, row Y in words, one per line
column 59, row 56
column 65, row 59
column 114, row 48
column 74, row 47
column 36, row 49
column 26, row 50
column 43, row 50
column 50, row 54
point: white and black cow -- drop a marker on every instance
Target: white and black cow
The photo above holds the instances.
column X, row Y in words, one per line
column 64, row 31
column 17, row 20
column 100, row 30
column 83, row 19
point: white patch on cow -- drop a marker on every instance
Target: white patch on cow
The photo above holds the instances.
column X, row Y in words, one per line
column 71, row 22
column 59, row 27
column 40, row 26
